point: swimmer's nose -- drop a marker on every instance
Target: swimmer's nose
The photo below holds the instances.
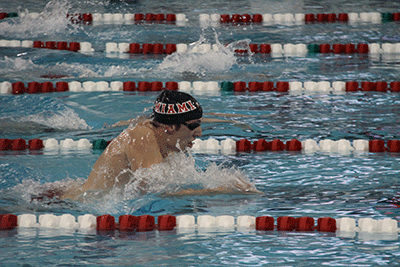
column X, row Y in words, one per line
column 197, row 132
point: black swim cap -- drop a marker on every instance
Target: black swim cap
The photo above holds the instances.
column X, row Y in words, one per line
column 173, row 107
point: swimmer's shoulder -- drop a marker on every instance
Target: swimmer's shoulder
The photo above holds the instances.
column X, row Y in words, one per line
column 142, row 131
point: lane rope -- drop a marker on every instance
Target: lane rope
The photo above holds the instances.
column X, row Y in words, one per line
column 325, row 87
column 345, row 227
column 213, row 146
column 274, row 49
column 234, row 19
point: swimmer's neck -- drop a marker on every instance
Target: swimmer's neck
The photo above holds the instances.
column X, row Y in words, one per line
column 162, row 136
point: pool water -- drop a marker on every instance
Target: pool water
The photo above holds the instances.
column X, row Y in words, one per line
column 356, row 185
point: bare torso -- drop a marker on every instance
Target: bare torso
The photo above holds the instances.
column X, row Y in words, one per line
column 136, row 147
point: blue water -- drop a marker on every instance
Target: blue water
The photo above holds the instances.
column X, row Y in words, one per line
column 293, row 184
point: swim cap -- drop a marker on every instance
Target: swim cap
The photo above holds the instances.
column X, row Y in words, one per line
column 172, row 107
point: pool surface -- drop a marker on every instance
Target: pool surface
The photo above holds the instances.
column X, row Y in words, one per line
column 352, row 184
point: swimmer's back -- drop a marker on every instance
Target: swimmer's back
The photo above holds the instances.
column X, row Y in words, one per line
column 136, row 147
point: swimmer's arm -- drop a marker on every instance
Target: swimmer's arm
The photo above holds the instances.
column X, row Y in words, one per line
column 209, row 192
column 240, row 189
column 127, row 122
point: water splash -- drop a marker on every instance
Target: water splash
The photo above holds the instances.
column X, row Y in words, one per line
column 26, row 69
column 177, row 173
column 64, row 120
column 17, row 64
column 52, row 21
column 214, row 61
column 35, row 113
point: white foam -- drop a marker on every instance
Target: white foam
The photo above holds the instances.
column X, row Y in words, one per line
column 179, row 171
column 66, row 119
column 51, row 21
column 200, row 58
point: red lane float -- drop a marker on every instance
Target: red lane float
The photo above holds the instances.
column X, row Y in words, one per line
column 142, row 223
column 265, row 223
column 321, row 17
column 304, row 224
column 3, row 15
column 351, row 86
column 287, row 223
column 146, row 223
column 261, row 145
column 379, row 86
column 377, row 146
column 5, row 144
column 8, row 221
column 143, row 86
column 73, row 46
column 277, row 145
column 393, row 145
column 20, row 144
column 35, row 144
column 47, row 87
column 36, row 87
column 105, row 223
column 146, row 48
column 150, row 17
column 238, row 18
column 85, row 18
column 128, row 222
column 253, row 86
column 293, row 145
column 166, row 223
column 18, row 88
column 245, row 145
column 326, row 224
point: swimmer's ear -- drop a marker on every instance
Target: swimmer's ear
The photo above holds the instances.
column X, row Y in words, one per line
column 171, row 129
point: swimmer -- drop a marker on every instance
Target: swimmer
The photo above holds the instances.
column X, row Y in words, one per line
column 175, row 125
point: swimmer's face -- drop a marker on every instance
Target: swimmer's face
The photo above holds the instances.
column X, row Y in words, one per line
column 188, row 132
